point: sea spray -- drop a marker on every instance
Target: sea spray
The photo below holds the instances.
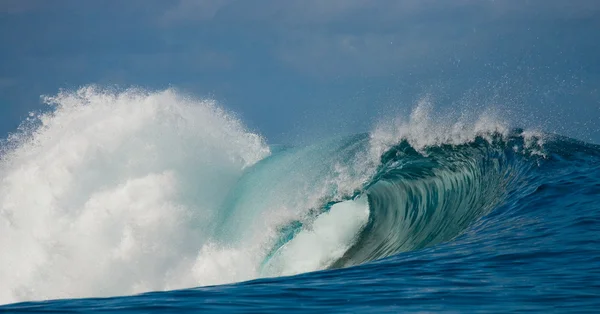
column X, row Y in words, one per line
column 114, row 192
column 120, row 192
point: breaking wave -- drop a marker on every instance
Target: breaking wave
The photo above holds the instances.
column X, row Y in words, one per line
column 121, row 192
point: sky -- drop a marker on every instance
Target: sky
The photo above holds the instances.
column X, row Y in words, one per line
column 302, row 69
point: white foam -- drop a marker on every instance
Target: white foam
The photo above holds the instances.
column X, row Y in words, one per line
column 118, row 192
column 319, row 245
column 114, row 192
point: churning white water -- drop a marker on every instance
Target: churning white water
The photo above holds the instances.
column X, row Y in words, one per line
column 121, row 192
column 113, row 193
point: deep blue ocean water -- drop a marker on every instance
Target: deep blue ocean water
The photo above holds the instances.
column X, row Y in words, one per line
column 417, row 218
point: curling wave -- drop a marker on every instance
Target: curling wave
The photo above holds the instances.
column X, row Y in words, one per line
column 410, row 200
column 114, row 193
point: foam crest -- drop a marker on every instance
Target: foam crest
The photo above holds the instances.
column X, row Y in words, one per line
column 114, row 192
column 426, row 128
column 120, row 192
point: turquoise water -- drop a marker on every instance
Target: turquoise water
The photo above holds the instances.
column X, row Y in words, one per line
column 172, row 212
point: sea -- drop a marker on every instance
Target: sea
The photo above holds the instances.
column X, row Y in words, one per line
column 140, row 201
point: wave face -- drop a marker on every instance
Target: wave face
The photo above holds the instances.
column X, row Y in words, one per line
column 120, row 193
column 419, row 199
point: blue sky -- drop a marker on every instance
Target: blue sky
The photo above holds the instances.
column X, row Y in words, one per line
column 306, row 68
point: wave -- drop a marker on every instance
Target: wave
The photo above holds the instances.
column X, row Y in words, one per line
column 114, row 193
column 410, row 200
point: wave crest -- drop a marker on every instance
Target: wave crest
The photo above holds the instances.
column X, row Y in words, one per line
column 119, row 192
column 113, row 192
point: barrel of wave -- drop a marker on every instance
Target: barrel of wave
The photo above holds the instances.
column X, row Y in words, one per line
column 320, row 244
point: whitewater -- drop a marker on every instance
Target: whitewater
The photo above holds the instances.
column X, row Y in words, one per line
column 140, row 200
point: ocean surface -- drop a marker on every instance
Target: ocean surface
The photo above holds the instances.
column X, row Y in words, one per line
column 142, row 201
